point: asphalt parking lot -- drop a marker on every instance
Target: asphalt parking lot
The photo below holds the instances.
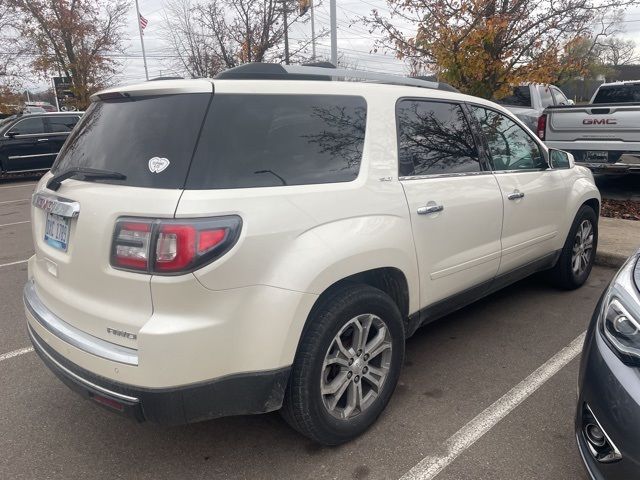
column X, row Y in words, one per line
column 448, row 410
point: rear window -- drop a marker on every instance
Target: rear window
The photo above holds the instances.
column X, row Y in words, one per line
column 520, row 97
column 434, row 138
column 130, row 136
column 274, row 140
column 62, row 124
column 629, row 93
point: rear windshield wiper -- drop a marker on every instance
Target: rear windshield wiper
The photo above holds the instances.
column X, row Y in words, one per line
column 55, row 181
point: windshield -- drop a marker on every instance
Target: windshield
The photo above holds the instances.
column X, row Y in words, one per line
column 150, row 140
column 629, row 93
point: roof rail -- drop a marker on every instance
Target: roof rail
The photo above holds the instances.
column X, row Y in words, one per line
column 323, row 71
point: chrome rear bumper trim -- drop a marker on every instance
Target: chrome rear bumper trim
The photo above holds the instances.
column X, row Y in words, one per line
column 73, row 336
column 77, row 377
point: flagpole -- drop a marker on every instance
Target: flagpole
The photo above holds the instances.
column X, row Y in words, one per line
column 144, row 56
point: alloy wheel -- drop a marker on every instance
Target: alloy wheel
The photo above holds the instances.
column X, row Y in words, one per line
column 356, row 366
column 582, row 248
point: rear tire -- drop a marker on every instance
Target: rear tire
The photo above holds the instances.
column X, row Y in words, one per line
column 347, row 365
column 579, row 251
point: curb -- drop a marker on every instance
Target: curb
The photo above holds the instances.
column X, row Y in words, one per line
column 609, row 259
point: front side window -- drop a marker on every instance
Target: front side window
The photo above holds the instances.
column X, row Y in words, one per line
column 28, row 126
column 275, row 140
column 434, row 138
column 62, row 124
column 510, row 146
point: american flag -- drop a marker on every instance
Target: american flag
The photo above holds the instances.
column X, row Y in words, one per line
column 143, row 21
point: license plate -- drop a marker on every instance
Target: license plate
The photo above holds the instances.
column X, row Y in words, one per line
column 56, row 232
column 596, row 157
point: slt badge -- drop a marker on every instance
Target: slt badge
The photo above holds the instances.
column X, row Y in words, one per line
column 158, row 164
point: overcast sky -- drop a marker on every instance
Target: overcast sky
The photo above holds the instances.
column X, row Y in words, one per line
column 354, row 41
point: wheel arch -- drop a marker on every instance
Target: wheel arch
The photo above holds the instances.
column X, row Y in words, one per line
column 391, row 280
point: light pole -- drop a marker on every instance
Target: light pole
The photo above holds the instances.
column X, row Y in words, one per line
column 313, row 34
column 286, row 32
column 334, row 33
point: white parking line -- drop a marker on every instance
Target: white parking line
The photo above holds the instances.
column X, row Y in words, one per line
column 464, row 438
column 14, row 223
column 15, row 201
column 13, row 263
column 15, row 353
column 18, row 186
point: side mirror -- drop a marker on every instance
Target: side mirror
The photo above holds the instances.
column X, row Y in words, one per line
column 570, row 102
column 559, row 159
column 12, row 134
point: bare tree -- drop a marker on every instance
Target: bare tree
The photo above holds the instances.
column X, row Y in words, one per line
column 617, row 51
column 190, row 40
column 210, row 36
column 76, row 38
column 11, row 46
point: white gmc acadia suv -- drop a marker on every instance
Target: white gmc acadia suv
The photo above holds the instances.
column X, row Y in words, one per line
column 269, row 238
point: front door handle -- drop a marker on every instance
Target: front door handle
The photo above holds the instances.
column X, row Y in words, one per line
column 43, row 139
column 426, row 210
column 515, row 195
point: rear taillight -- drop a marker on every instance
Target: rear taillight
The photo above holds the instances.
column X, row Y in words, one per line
column 131, row 245
column 542, row 126
column 172, row 246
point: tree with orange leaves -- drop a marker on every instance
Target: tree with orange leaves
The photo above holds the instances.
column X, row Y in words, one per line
column 74, row 38
column 483, row 47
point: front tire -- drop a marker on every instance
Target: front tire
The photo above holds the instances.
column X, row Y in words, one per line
column 347, row 365
column 579, row 251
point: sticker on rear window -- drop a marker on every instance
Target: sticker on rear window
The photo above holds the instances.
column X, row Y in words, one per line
column 158, row 164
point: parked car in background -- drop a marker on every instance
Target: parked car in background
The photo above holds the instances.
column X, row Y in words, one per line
column 46, row 106
column 527, row 102
column 603, row 135
column 33, row 109
column 607, row 423
column 263, row 240
column 31, row 142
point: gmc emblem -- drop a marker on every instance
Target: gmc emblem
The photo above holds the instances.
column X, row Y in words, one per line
column 599, row 121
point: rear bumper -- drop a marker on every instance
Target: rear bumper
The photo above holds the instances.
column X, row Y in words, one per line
column 618, row 160
column 256, row 392
column 615, row 168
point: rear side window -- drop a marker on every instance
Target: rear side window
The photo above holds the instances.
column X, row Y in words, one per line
column 28, row 126
column 434, row 138
column 273, row 140
column 62, row 124
column 629, row 93
column 148, row 139
column 520, row 97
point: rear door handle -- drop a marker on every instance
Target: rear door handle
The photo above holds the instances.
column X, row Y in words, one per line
column 426, row 210
column 515, row 195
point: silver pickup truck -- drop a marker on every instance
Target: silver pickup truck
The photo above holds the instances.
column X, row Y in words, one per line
column 528, row 101
column 603, row 135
